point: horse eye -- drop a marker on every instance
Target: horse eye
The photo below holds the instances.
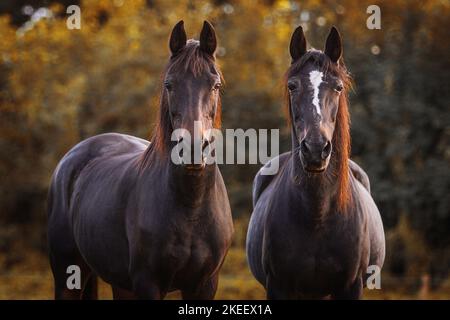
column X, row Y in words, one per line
column 168, row 85
column 217, row 86
column 298, row 118
column 292, row 86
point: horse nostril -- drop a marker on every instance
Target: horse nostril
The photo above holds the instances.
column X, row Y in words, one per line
column 304, row 147
column 326, row 150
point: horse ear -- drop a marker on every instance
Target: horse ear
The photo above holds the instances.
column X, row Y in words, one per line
column 208, row 42
column 297, row 47
column 333, row 46
column 177, row 38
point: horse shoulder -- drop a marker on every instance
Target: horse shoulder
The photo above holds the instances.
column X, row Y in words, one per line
column 261, row 181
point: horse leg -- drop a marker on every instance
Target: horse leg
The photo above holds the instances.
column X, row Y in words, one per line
column 274, row 292
column 147, row 289
column 352, row 292
column 149, row 292
column 122, row 294
column 63, row 293
column 90, row 290
column 206, row 291
column 60, row 263
column 64, row 253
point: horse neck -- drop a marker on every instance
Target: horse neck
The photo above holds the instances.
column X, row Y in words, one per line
column 188, row 189
column 317, row 192
column 191, row 189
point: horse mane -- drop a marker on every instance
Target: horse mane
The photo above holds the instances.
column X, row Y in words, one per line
column 341, row 137
column 190, row 59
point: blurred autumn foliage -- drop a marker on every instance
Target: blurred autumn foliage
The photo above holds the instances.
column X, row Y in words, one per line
column 59, row 86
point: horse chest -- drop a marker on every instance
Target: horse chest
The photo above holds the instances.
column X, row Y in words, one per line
column 315, row 260
column 322, row 263
column 191, row 249
column 196, row 259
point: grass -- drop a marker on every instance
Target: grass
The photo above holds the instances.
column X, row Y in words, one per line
column 29, row 277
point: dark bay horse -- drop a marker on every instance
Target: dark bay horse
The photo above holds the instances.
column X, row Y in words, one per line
column 315, row 228
column 119, row 208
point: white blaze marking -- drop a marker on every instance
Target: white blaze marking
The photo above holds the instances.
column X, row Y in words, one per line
column 315, row 77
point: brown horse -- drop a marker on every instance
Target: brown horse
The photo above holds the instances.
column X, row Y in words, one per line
column 119, row 208
column 315, row 227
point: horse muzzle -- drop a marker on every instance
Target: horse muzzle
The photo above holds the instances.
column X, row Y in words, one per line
column 315, row 157
column 195, row 167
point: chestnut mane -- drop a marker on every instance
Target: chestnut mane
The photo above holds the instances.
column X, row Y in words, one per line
column 341, row 137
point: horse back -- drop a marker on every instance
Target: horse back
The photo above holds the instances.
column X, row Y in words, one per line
column 71, row 166
column 359, row 174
